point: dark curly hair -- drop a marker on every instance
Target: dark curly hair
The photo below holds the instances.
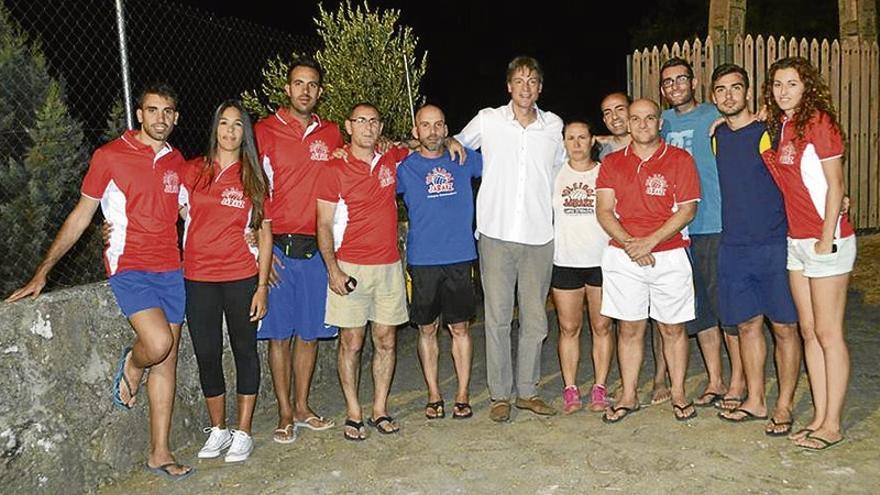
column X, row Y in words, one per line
column 816, row 98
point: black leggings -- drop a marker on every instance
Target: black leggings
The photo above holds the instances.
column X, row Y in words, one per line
column 206, row 303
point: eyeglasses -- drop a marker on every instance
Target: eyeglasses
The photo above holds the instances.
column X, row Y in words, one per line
column 678, row 81
column 372, row 122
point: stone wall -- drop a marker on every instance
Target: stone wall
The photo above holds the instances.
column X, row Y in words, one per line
column 59, row 432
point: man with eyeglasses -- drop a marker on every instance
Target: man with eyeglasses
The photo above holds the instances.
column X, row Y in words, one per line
column 295, row 144
column 357, row 236
column 687, row 125
column 522, row 151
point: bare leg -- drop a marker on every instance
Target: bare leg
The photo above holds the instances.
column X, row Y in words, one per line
column 246, row 405
column 710, row 346
column 630, row 350
column 570, row 312
column 462, row 356
column 829, row 304
column 603, row 336
column 675, row 350
column 753, row 349
column 305, row 355
column 351, row 342
column 156, row 347
column 280, row 366
column 737, row 386
column 217, row 410
column 384, row 360
column 661, row 393
column 813, row 354
column 788, row 366
column 429, row 353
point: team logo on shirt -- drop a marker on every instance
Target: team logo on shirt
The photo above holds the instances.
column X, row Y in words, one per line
column 656, row 185
column 318, row 151
column 787, row 154
column 233, row 197
column 171, row 182
column 386, row 176
column 440, row 182
column 578, row 199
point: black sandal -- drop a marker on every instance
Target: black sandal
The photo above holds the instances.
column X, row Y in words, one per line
column 381, row 420
column 437, row 408
column 460, row 406
column 357, row 425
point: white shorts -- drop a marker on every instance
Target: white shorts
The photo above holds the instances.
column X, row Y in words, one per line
column 802, row 257
column 665, row 291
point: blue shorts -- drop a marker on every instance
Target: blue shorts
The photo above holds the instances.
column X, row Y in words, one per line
column 297, row 306
column 137, row 290
column 754, row 281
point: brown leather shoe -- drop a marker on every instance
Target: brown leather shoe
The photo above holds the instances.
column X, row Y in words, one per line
column 500, row 411
column 536, row 405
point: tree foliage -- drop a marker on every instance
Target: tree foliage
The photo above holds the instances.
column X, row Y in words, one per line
column 363, row 60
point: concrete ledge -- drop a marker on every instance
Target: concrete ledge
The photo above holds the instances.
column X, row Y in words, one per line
column 59, row 432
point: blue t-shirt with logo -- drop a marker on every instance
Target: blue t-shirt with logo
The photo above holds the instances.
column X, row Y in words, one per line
column 440, row 201
column 690, row 131
column 752, row 209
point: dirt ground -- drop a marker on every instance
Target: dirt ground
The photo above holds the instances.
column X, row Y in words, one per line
column 647, row 453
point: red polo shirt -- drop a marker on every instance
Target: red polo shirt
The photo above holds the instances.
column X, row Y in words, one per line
column 648, row 191
column 796, row 166
column 366, row 216
column 292, row 158
column 138, row 191
column 218, row 215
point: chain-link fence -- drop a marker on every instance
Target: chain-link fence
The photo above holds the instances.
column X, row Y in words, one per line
column 62, row 96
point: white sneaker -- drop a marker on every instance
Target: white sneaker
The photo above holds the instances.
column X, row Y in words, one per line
column 242, row 446
column 218, row 440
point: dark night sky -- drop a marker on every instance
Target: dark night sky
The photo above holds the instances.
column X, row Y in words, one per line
column 580, row 44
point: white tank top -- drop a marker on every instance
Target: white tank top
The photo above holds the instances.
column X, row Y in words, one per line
column 579, row 239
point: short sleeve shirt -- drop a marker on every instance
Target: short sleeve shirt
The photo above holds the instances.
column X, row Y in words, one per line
column 648, row 192
column 796, row 166
column 138, row 190
column 439, row 200
column 690, row 131
column 365, row 225
column 292, row 158
column 218, row 216
column 579, row 239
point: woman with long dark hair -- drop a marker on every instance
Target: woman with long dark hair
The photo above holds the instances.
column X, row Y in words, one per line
column 806, row 161
column 223, row 197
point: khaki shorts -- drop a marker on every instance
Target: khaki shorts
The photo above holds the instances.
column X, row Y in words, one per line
column 380, row 297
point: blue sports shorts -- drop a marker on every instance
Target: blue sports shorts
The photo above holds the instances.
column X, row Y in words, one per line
column 137, row 290
column 753, row 280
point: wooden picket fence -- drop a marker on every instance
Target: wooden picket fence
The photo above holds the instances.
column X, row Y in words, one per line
column 851, row 69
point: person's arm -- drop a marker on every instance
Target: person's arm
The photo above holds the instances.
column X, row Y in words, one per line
column 471, row 136
column 260, row 301
column 336, row 278
column 608, row 220
column 833, row 171
column 638, row 247
column 72, row 229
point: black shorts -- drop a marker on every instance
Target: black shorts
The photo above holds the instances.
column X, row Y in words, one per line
column 446, row 289
column 703, row 254
column 568, row 278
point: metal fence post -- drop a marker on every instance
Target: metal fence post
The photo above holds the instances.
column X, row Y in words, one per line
column 123, row 60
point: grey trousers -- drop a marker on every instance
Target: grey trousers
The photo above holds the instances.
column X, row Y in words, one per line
column 505, row 266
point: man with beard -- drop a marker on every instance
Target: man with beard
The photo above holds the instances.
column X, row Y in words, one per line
column 440, row 253
column 294, row 146
column 136, row 181
column 753, row 280
column 686, row 125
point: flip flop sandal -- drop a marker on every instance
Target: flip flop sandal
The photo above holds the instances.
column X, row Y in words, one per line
column 437, row 408
column 713, row 399
column 826, row 444
column 720, row 403
column 786, row 428
column 164, row 472
column 681, row 409
column 626, row 412
column 378, row 422
column 802, row 431
column 326, row 424
column 461, row 406
column 746, row 416
column 357, row 425
column 285, row 435
column 118, row 380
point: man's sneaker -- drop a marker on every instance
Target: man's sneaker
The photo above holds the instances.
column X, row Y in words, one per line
column 218, row 440
column 242, row 446
column 598, row 398
column 571, row 399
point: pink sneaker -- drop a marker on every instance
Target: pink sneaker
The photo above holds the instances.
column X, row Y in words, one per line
column 598, row 398
column 571, row 399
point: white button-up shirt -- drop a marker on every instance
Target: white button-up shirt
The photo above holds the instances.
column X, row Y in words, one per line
column 519, row 166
